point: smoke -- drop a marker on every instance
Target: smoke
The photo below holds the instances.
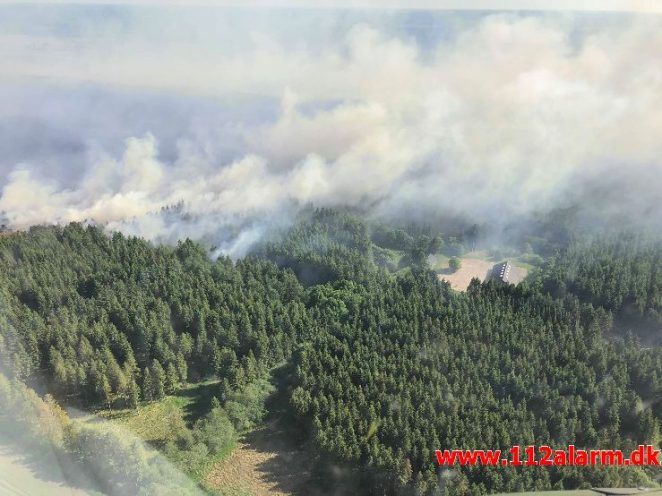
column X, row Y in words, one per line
column 34, row 466
column 491, row 116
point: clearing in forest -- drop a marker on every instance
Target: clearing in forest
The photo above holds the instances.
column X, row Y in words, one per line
column 264, row 463
column 471, row 267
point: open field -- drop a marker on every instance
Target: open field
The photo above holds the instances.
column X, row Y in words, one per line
column 153, row 422
column 263, row 463
column 471, row 267
column 474, row 264
column 159, row 422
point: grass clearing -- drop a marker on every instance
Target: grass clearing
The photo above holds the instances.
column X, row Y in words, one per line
column 154, row 422
column 438, row 261
column 160, row 421
column 169, row 420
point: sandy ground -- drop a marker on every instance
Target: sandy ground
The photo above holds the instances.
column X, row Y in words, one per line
column 33, row 475
column 263, row 464
column 476, row 267
column 517, row 274
column 471, row 267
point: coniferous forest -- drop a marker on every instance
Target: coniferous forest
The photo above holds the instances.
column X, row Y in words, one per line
column 330, row 248
column 380, row 363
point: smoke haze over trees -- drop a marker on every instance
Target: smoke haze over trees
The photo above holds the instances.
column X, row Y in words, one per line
column 259, row 204
column 113, row 113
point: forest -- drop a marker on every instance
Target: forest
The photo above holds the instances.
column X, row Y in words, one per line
column 383, row 363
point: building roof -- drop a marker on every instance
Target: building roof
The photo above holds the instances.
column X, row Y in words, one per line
column 501, row 271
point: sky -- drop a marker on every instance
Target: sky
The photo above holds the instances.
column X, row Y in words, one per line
column 242, row 115
column 484, row 5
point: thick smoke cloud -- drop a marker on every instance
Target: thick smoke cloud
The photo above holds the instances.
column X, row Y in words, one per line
column 503, row 116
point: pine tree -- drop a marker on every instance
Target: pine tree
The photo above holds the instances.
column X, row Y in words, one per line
column 133, row 394
column 148, row 385
column 158, row 380
column 172, row 379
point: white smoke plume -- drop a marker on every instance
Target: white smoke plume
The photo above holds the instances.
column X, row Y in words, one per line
column 505, row 115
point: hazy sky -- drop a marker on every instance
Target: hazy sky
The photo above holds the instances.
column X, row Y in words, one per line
column 111, row 112
column 581, row 5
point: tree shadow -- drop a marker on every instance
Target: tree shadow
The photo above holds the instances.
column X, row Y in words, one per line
column 200, row 398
